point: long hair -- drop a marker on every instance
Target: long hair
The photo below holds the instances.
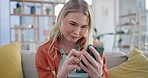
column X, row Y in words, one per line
column 70, row 7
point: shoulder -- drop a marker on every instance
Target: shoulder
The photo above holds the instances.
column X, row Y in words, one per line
column 44, row 46
column 95, row 42
column 49, row 48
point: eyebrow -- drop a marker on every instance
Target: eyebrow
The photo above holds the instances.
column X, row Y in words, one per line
column 73, row 22
column 76, row 23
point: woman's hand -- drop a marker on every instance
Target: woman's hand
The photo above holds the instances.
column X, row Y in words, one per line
column 94, row 67
column 71, row 62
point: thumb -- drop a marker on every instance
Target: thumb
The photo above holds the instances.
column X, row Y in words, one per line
column 72, row 67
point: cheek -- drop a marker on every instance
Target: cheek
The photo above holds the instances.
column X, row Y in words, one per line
column 65, row 29
column 83, row 32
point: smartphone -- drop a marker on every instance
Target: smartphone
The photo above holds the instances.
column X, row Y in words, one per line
column 99, row 49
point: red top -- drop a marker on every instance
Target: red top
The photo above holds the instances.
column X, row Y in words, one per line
column 48, row 59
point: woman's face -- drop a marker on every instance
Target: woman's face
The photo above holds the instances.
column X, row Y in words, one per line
column 74, row 26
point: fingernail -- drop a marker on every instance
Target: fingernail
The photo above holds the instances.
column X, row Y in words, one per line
column 79, row 69
column 81, row 55
column 91, row 47
column 83, row 50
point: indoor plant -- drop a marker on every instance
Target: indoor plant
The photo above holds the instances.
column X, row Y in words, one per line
column 47, row 10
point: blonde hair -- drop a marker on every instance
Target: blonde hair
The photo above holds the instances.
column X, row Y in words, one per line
column 69, row 7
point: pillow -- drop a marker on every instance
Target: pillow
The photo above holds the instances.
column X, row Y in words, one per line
column 10, row 61
column 136, row 67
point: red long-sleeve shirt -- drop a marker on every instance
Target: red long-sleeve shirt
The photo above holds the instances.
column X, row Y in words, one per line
column 48, row 59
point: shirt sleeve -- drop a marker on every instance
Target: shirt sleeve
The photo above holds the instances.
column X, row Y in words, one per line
column 42, row 66
column 105, row 70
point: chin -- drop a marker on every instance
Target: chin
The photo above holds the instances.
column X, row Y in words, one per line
column 73, row 40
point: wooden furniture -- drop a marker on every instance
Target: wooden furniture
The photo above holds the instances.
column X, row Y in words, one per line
column 29, row 19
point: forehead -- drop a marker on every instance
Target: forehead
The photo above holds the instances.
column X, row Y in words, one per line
column 77, row 17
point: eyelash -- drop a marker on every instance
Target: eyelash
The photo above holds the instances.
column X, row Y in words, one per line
column 83, row 27
column 73, row 24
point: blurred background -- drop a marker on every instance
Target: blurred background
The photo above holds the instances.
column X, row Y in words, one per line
column 120, row 25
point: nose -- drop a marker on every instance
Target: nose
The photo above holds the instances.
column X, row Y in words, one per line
column 77, row 30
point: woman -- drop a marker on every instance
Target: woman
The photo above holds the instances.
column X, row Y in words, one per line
column 62, row 54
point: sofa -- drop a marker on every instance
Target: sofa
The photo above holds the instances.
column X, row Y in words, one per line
column 22, row 63
column 114, row 59
column 28, row 64
column 29, row 70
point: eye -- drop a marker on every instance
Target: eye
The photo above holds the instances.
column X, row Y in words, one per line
column 85, row 26
column 73, row 24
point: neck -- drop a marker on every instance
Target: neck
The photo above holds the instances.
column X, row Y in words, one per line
column 66, row 45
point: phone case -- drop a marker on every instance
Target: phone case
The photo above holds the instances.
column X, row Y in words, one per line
column 99, row 49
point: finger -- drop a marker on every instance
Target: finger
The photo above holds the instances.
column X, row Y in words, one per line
column 96, row 54
column 84, row 67
column 75, row 53
column 72, row 67
column 73, row 60
column 89, row 58
column 86, row 62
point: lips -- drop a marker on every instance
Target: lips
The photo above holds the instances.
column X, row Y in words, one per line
column 75, row 36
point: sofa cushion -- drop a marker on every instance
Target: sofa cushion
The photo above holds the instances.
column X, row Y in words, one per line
column 28, row 62
column 136, row 66
column 115, row 58
column 10, row 61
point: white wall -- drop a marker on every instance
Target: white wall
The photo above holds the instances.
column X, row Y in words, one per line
column 0, row 22
column 127, row 6
column 104, row 20
column 4, row 30
column 106, row 16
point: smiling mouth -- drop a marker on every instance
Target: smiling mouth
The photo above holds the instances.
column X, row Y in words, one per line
column 74, row 37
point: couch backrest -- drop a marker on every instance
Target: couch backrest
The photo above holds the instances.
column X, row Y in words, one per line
column 29, row 69
column 28, row 64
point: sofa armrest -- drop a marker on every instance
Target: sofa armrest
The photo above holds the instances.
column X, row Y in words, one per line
column 115, row 58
